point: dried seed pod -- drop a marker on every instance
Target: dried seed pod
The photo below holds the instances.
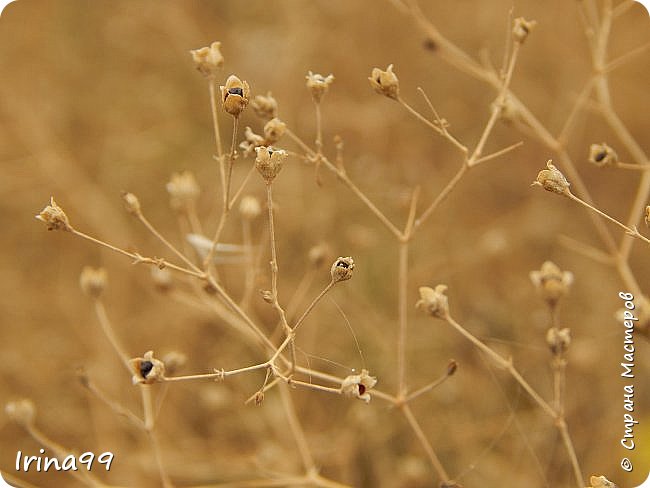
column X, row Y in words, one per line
column 93, row 281
column 208, row 60
column 235, row 95
column 274, row 130
column 433, row 301
column 558, row 340
column 269, row 162
column 358, row 385
column 552, row 282
column 183, row 191
column 267, row 296
column 601, row 482
column 54, row 217
column 342, row 269
column 385, row 82
column 250, row 207
column 521, row 28
column 265, row 107
column 147, row 369
column 21, row 411
column 551, row 179
column 251, row 141
column 602, row 155
column 318, row 85
column 132, row 203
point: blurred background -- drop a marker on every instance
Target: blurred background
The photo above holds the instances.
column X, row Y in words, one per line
column 101, row 97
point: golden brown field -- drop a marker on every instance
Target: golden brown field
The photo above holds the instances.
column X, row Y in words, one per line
column 100, row 98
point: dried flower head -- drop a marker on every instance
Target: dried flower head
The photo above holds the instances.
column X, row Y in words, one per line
column 265, row 107
column 358, row 385
column 433, row 301
column 174, row 361
column 274, row 130
column 558, row 340
column 385, row 82
column 552, row 282
column 551, row 179
column 602, row 155
column 521, row 28
column 250, row 207
column 235, row 95
column 147, row 369
column 601, row 482
column 269, row 162
column 251, row 141
column 318, row 85
column 183, row 190
column 93, row 281
column 131, row 203
column 21, row 411
column 318, row 255
column 162, row 279
column 342, row 269
column 208, row 60
column 54, row 217
column 267, row 296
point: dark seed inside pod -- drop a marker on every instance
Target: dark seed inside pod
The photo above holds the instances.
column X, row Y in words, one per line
column 236, row 91
column 362, row 389
column 342, row 264
column 145, row 368
column 600, row 156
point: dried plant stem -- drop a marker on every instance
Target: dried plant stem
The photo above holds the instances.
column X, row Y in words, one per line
column 168, row 244
column 112, row 404
column 217, row 137
column 231, row 159
column 568, row 444
column 402, row 290
column 137, row 258
column 441, row 196
column 107, row 328
column 296, row 429
column 319, row 129
column 507, row 365
column 149, row 422
column 218, row 374
column 633, row 166
column 342, row 175
column 629, row 231
column 433, row 457
column 313, row 303
column 427, row 388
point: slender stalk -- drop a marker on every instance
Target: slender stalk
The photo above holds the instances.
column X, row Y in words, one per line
column 402, row 290
column 149, row 422
column 217, row 136
column 107, row 328
column 426, row 445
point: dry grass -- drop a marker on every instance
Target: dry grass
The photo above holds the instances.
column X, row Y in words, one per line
column 101, row 98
